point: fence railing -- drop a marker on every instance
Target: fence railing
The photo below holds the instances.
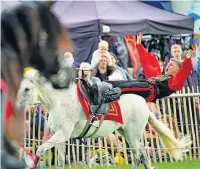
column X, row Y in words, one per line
column 180, row 112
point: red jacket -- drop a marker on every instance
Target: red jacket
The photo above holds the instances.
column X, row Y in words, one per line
column 151, row 68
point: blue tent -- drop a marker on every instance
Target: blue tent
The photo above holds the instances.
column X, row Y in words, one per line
column 87, row 18
column 86, row 21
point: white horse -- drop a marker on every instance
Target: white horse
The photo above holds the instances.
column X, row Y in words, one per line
column 67, row 119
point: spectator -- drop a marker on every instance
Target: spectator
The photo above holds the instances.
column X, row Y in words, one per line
column 196, row 59
column 116, row 75
column 114, row 64
column 142, row 76
column 102, row 50
column 68, row 55
column 103, row 70
column 161, row 66
column 39, row 122
column 69, row 58
column 118, row 47
column 176, row 52
column 117, row 144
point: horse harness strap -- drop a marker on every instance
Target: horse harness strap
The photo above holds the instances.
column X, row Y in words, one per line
column 89, row 124
column 97, row 127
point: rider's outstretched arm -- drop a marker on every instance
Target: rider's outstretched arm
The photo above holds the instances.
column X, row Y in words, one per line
column 148, row 61
column 177, row 82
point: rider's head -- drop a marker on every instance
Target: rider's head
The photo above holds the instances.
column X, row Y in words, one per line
column 85, row 70
column 172, row 67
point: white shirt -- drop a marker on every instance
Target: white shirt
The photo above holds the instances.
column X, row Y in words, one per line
column 96, row 58
column 116, row 75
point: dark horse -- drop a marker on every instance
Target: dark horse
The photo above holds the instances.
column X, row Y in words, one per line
column 31, row 36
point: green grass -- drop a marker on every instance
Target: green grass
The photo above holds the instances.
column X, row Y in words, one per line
column 194, row 164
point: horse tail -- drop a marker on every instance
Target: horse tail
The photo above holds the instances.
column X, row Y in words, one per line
column 175, row 147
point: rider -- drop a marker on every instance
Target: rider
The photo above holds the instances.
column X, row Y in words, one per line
column 156, row 86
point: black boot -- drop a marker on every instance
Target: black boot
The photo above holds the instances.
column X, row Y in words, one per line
column 97, row 97
column 85, row 85
column 112, row 95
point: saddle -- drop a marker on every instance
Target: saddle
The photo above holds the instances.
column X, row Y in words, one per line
column 85, row 88
column 95, row 110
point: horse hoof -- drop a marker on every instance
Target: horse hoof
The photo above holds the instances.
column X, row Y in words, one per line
column 36, row 159
column 32, row 161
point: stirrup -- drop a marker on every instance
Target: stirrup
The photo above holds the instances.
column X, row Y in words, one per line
column 93, row 119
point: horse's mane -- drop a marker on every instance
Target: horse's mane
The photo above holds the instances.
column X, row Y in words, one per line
column 21, row 35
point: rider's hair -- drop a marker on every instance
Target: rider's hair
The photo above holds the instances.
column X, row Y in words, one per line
column 178, row 62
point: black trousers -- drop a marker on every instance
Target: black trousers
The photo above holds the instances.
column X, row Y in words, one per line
column 142, row 88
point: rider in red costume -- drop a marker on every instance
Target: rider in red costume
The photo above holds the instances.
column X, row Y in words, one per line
column 156, row 86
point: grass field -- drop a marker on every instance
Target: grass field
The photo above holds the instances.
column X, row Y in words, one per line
column 194, row 164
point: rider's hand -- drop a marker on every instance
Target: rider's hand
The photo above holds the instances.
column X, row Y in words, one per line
column 139, row 38
column 189, row 53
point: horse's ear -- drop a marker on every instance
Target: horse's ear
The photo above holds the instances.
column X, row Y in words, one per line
column 32, row 74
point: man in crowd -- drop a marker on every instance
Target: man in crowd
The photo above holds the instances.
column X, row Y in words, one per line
column 156, row 86
column 176, row 52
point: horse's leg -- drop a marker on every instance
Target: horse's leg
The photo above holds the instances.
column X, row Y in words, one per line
column 134, row 128
column 58, row 137
column 145, row 160
column 61, row 155
column 134, row 144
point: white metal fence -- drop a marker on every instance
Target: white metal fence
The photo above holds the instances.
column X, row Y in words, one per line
column 180, row 112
